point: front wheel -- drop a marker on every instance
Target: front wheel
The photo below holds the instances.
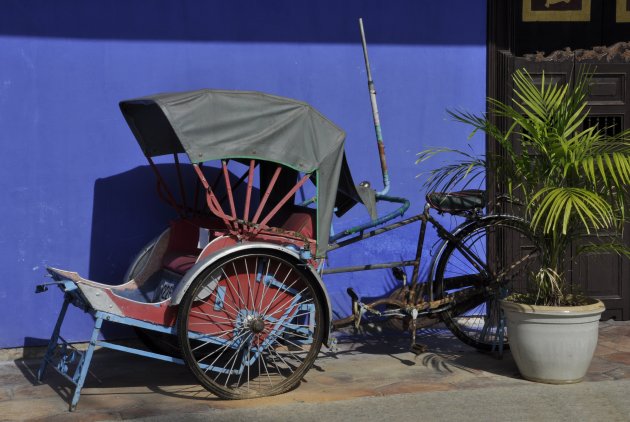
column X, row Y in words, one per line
column 251, row 324
column 485, row 260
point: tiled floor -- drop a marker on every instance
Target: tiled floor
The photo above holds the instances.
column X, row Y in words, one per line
column 371, row 363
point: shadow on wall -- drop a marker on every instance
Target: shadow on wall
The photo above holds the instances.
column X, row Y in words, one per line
column 128, row 213
column 324, row 21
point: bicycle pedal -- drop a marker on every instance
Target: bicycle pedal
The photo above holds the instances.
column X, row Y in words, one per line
column 358, row 316
column 333, row 346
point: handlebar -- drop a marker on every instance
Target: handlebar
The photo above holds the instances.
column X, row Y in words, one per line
column 373, row 223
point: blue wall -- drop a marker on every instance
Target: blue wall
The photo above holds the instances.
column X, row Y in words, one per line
column 76, row 190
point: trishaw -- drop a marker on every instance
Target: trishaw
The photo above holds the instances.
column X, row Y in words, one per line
column 234, row 284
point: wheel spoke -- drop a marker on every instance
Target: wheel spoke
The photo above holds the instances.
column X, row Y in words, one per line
column 249, row 284
column 224, row 348
column 274, row 277
column 292, row 306
column 261, row 358
column 264, row 287
column 294, row 344
column 278, row 290
column 266, row 333
column 272, row 351
column 276, row 295
column 477, row 320
column 215, row 296
column 228, row 282
column 212, row 316
column 235, row 358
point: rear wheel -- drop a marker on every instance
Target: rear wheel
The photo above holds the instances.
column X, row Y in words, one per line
column 488, row 259
column 251, row 325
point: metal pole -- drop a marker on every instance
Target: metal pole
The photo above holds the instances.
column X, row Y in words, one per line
column 369, row 267
column 377, row 121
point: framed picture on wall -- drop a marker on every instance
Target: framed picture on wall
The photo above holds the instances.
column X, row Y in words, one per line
column 623, row 10
column 558, row 10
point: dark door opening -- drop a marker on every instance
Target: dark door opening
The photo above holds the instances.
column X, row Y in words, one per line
column 559, row 38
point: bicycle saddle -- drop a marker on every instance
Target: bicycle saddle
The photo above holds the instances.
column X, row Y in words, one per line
column 457, row 202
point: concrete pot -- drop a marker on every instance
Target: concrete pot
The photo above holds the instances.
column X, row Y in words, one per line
column 552, row 344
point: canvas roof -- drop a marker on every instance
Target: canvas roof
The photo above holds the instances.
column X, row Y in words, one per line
column 217, row 124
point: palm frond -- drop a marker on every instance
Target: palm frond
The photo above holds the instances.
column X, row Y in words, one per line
column 574, row 178
column 461, row 173
column 604, row 248
column 554, row 208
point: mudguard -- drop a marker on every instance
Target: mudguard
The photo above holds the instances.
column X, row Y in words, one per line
column 200, row 266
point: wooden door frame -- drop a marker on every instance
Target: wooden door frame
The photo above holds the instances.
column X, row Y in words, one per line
column 500, row 42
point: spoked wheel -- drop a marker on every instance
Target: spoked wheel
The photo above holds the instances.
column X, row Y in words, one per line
column 251, row 325
column 490, row 258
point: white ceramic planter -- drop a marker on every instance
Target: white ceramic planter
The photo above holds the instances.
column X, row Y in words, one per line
column 552, row 344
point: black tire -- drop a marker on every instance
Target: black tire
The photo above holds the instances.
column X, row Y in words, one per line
column 475, row 317
column 251, row 325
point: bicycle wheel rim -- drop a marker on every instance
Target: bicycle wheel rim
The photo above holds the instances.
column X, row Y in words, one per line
column 251, row 326
column 476, row 317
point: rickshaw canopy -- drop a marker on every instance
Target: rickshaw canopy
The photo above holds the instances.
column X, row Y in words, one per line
column 217, row 124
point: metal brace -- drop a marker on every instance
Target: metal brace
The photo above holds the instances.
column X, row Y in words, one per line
column 359, row 308
column 415, row 347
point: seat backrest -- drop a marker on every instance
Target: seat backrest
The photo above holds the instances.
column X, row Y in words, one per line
column 301, row 220
column 182, row 250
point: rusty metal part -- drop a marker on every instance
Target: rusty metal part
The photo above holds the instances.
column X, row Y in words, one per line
column 368, row 267
column 422, row 308
column 616, row 53
column 416, row 268
column 375, row 115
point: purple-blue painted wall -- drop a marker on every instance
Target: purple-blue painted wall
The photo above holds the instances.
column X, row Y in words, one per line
column 76, row 190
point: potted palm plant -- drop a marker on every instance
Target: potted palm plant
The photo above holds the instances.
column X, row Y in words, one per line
column 574, row 180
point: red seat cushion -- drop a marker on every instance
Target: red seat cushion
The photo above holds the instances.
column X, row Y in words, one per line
column 184, row 237
column 182, row 251
column 177, row 262
column 301, row 220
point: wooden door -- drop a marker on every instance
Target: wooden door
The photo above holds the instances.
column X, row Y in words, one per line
column 606, row 277
column 511, row 36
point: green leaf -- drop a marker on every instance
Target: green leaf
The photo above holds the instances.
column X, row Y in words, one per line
column 574, row 180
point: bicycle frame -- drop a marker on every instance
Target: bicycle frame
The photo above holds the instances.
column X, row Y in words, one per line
column 413, row 302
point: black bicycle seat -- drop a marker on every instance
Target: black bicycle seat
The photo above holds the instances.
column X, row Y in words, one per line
column 457, row 202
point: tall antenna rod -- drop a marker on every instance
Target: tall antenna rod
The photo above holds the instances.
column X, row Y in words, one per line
column 377, row 121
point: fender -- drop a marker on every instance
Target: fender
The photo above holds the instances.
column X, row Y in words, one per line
column 199, row 267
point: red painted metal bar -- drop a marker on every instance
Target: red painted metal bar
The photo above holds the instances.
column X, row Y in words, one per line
column 250, row 183
column 213, row 204
column 161, row 183
column 228, row 187
column 284, row 200
column 234, row 187
column 375, row 115
column 196, row 207
column 263, row 202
